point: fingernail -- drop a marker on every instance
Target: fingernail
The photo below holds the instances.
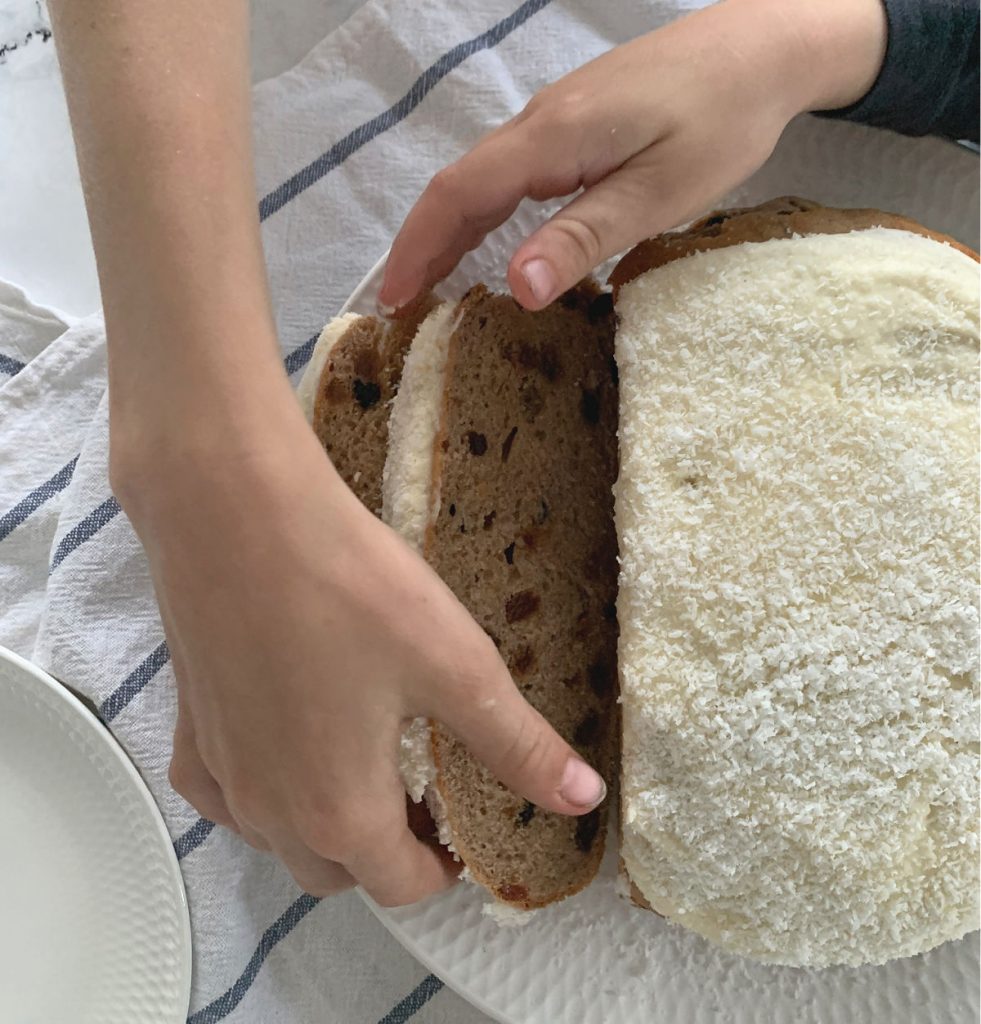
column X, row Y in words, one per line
column 540, row 278
column 385, row 311
column 580, row 785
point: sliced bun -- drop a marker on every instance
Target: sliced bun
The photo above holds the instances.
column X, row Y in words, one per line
column 511, row 459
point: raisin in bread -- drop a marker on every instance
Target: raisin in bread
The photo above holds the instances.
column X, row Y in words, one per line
column 347, row 389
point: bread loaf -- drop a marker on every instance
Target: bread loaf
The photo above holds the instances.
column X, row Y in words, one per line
column 798, row 523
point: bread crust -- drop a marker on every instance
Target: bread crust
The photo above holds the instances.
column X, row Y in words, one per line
column 779, row 218
column 353, row 395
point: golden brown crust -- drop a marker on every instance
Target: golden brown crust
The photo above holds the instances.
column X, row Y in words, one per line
column 778, row 218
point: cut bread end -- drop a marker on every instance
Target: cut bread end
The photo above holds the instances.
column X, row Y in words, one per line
column 310, row 382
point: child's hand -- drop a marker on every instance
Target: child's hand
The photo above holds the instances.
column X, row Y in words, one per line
column 305, row 634
column 654, row 131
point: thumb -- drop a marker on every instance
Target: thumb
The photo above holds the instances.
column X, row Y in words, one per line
column 600, row 222
column 504, row 732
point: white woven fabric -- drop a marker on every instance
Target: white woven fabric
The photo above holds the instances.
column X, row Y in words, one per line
column 373, row 111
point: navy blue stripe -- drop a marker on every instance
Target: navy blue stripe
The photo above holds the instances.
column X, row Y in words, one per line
column 10, row 366
column 413, row 1002
column 300, row 356
column 221, row 1007
column 84, row 529
column 193, row 837
column 9, row 521
column 134, row 682
column 422, row 86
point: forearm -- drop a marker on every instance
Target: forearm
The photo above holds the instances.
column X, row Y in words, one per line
column 159, row 101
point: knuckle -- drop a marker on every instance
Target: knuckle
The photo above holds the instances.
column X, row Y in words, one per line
column 400, row 897
column 254, row 839
column 528, row 752
column 249, row 804
column 445, row 185
column 533, row 106
column 582, row 239
column 179, row 774
column 473, row 668
column 463, row 696
column 544, row 101
column 335, row 835
column 558, row 119
column 320, row 884
column 566, row 112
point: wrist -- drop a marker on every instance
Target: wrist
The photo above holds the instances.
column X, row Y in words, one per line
column 802, row 56
column 836, row 47
column 185, row 441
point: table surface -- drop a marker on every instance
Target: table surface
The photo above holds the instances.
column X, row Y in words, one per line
column 45, row 245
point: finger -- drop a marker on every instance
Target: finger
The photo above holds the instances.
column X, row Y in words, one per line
column 632, row 203
column 312, row 873
column 190, row 777
column 187, row 766
column 254, row 837
column 467, row 200
column 403, row 871
column 514, row 741
column 390, row 863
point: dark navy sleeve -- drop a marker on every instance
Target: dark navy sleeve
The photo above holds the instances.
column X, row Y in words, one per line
column 928, row 83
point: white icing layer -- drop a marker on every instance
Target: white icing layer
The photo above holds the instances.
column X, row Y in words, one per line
column 407, row 505
column 416, row 759
column 798, row 520
column 407, row 499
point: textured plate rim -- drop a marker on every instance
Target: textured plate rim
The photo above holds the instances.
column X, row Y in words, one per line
column 39, row 678
column 362, row 299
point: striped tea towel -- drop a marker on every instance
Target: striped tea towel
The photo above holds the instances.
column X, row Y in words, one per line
column 344, row 142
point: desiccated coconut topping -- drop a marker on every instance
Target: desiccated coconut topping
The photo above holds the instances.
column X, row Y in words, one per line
column 798, row 520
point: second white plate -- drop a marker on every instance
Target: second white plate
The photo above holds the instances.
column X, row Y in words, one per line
column 94, row 925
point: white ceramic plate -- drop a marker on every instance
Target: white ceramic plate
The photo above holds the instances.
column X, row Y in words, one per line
column 595, row 959
column 93, row 920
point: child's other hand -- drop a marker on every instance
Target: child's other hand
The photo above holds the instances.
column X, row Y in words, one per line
column 305, row 634
column 653, row 132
